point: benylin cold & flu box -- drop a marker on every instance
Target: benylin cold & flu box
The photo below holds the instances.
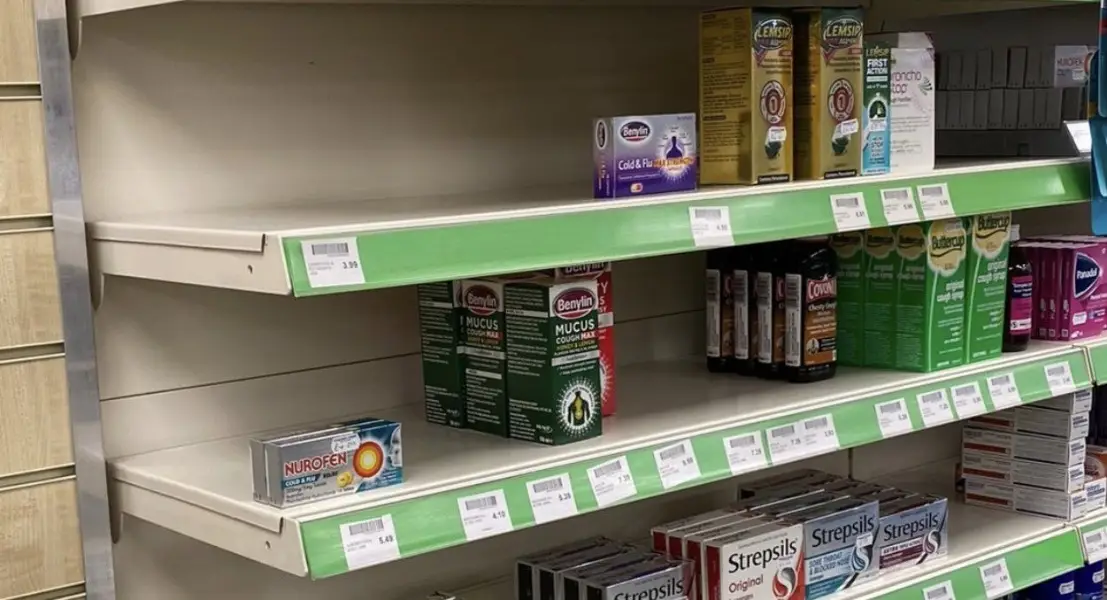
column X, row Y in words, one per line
column 637, row 156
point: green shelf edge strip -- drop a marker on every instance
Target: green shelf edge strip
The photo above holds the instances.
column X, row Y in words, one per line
column 421, row 255
column 1027, row 566
column 1097, row 357
column 433, row 523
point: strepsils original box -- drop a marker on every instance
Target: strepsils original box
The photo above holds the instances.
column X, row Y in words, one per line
column 765, row 563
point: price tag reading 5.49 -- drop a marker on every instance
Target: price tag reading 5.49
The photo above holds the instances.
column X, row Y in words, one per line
column 484, row 515
column 371, row 542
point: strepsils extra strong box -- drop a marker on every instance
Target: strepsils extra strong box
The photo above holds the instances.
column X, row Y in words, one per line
column 911, row 531
column 764, row 563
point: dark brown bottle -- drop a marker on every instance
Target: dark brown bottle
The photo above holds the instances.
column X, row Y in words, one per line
column 811, row 311
column 744, row 300
column 720, row 311
column 769, row 289
column 1018, row 319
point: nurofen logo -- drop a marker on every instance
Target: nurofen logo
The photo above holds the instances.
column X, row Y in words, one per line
column 482, row 300
column 314, row 464
column 574, row 303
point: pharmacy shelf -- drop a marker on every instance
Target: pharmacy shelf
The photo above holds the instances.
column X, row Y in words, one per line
column 1097, row 356
column 398, row 242
column 726, row 424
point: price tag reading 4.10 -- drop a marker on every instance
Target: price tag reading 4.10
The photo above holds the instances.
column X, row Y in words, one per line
column 552, row 498
column 997, row 581
column 484, row 515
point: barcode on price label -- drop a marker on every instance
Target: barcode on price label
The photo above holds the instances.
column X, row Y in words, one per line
column 784, row 431
column 481, row 503
column 332, row 262
column 331, row 249
column 941, row 591
column 369, row 542
column 711, row 214
column 710, row 226
column 676, row 464
column 849, row 211
column 365, row 527
column 549, row 485
column 745, row 453
column 608, row 469
column 674, row 452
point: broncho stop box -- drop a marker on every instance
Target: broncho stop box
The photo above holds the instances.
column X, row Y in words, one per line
column 442, row 345
column 1026, row 446
column 601, row 272
column 553, row 367
column 911, row 531
column 485, row 356
column 639, row 156
column 930, row 295
column 764, row 563
column 335, row 460
column 914, row 87
column 829, row 56
column 838, row 540
column 986, row 285
column 746, row 96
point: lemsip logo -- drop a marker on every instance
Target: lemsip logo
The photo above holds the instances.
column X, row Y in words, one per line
column 672, row 587
column 574, row 303
column 635, row 131
column 312, row 464
column 818, row 289
column 772, row 34
column 841, row 33
column 482, row 300
column 783, row 549
column 1086, row 276
column 862, row 524
column 913, row 528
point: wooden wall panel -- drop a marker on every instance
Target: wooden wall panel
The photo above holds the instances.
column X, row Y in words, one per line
column 18, row 50
column 34, row 430
column 30, row 310
column 39, row 539
column 22, row 158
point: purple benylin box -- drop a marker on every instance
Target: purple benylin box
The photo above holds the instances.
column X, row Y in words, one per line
column 635, row 156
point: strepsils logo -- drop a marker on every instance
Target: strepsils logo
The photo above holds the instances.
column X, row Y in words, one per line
column 913, row 528
column 672, row 587
column 574, row 303
column 784, row 583
column 748, row 560
column 634, row 131
column 481, row 300
column 1086, row 277
column 860, row 525
column 817, row 289
column 314, row 464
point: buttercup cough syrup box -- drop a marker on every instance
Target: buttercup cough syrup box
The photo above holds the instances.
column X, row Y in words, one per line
column 746, row 59
column 442, row 343
column 553, row 367
column 882, row 263
column 986, row 285
column 637, row 156
column 828, row 79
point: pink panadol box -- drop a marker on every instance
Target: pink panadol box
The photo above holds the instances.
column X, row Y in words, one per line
column 1073, row 288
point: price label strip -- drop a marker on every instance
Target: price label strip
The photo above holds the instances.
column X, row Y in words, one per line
column 935, row 408
column 996, row 579
column 935, row 202
column 1059, row 378
column 968, row 400
column 1080, row 133
column 745, row 453
column 1004, row 391
column 819, row 435
column 367, row 543
column 711, row 226
column 332, row 262
column 893, row 418
column 899, row 206
column 786, row 443
column 1095, row 545
column 612, row 481
column 676, row 464
column 849, row 211
column 552, row 498
column 941, row 591
column 484, row 515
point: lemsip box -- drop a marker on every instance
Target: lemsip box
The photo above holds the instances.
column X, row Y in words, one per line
column 638, row 156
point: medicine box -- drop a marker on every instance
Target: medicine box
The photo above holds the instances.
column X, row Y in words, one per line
column 1023, row 445
column 1030, row 419
column 643, row 155
column 1073, row 402
column 1026, row 499
column 1050, row 476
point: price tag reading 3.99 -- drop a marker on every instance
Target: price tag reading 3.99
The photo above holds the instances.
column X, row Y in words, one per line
column 332, row 262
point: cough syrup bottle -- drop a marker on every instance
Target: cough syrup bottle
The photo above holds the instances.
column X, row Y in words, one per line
column 743, row 282
column 811, row 311
column 720, row 311
column 1017, row 320
column 769, row 289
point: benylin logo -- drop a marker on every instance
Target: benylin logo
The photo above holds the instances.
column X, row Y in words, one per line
column 578, row 407
column 574, row 303
column 481, row 300
column 634, row 131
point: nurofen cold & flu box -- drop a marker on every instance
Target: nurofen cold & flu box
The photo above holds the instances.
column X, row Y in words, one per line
column 527, row 567
column 1074, row 402
column 638, row 156
column 838, row 540
column 1023, row 445
column 441, row 334
column 765, row 563
column 1050, row 476
column 356, row 456
column 1026, row 499
column 1041, row 421
column 911, row 531
column 662, row 579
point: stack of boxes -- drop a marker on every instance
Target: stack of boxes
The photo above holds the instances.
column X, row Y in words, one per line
column 1020, row 95
column 601, row 569
column 529, row 357
column 1032, row 459
column 1069, row 302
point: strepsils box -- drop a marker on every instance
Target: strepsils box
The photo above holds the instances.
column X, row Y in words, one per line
column 764, row 563
column 838, row 539
column 697, row 547
column 911, row 531
column 750, row 489
column 693, row 542
column 527, row 567
column 1023, row 445
column 1040, row 421
column 1026, row 499
column 549, row 574
column 1050, row 476
column 676, row 537
column 660, row 534
column 1074, row 402
column 665, row 579
column 627, row 557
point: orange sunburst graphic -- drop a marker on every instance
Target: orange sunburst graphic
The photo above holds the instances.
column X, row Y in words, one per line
column 369, row 459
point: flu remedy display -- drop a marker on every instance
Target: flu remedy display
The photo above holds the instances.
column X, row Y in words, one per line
column 529, row 357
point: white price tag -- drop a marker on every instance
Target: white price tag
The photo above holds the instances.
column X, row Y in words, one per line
column 968, row 400
column 940, row 591
column 997, row 581
column 710, row 226
column 893, row 418
column 785, row 442
column 935, row 202
column 368, row 543
column 332, row 262
column 1059, row 378
column 676, row 464
column 552, row 498
column 1095, row 545
column 1004, row 391
column 1080, row 133
column 935, row 408
column 612, row 481
column 849, row 211
column 819, row 435
column 745, row 453
column 899, row 206
column 484, row 515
